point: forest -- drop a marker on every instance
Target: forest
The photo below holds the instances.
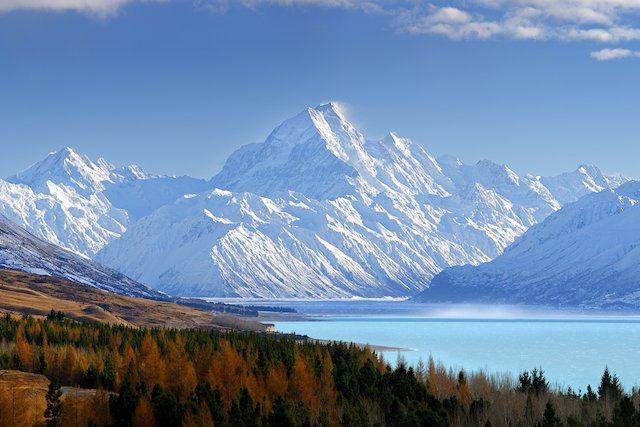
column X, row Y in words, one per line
column 104, row 375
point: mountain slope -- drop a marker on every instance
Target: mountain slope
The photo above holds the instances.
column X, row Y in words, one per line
column 224, row 243
column 22, row 251
column 36, row 295
column 586, row 254
column 81, row 205
column 317, row 210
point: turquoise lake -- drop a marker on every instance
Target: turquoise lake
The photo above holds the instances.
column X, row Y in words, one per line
column 572, row 348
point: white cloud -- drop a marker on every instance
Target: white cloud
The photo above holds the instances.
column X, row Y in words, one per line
column 617, row 53
column 598, row 21
column 603, row 35
column 451, row 15
column 98, row 7
column 458, row 24
column 595, row 21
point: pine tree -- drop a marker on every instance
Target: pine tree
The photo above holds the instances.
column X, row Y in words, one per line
column 550, row 419
column 524, row 382
column 539, row 382
column 609, row 388
column 124, row 403
column 54, row 404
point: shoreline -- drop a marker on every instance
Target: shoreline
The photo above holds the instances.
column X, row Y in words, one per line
column 373, row 347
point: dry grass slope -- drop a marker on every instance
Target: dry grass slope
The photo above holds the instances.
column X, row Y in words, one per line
column 37, row 295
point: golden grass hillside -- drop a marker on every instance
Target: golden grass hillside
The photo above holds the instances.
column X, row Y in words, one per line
column 37, row 295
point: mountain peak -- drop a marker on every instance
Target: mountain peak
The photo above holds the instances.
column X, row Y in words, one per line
column 67, row 167
column 126, row 173
column 490, row 164
column 62, row 155
column 591, row 170
column 325, row 120
column 64, row 152
column 318, row 142
column 402, row 144
column 331, row 107
column 495, row 171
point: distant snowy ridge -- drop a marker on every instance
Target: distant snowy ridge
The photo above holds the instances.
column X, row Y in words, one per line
column 317, row 210
column 587, row 254
column 22, row 251
column 81, row 205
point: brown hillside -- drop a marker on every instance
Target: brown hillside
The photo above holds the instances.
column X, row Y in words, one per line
column 37, row 295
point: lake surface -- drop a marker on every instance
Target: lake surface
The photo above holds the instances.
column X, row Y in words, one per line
column 573, row 348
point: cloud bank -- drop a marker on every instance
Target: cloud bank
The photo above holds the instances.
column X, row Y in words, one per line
column 602, row 21
column 595, row 21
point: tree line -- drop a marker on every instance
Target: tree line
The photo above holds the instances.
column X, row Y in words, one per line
column 171, row 377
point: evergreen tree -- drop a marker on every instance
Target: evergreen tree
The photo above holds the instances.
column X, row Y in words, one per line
column 90, row 379
column 124, row 403
column 166, row 408
column 625, row 414
column 243, row 412
column 54, row 404
column 609, row 388
column 550, row 419
column 282, row 414
column 524, row 382
column 539, row 383
column 213, row 399
column 4, row 360
column 108, row 374
column 589, row 396
column 533, row 383
column 42, row 362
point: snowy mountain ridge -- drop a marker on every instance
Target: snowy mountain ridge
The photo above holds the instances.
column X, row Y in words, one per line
column 584, row 255
column 81, row 205
column 22, row 251
column 318, row 210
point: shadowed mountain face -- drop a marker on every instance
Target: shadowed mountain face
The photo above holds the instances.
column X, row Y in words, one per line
column 587, row 254
column 22, row 251
column 318, row 210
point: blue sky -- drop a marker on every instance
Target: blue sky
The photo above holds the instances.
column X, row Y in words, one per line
column 176, row 86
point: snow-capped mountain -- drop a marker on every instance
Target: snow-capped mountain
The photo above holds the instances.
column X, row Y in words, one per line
column 570, row 186
column 81, row 205
column 22, row 251
column 318, row 210
column 586, row 255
